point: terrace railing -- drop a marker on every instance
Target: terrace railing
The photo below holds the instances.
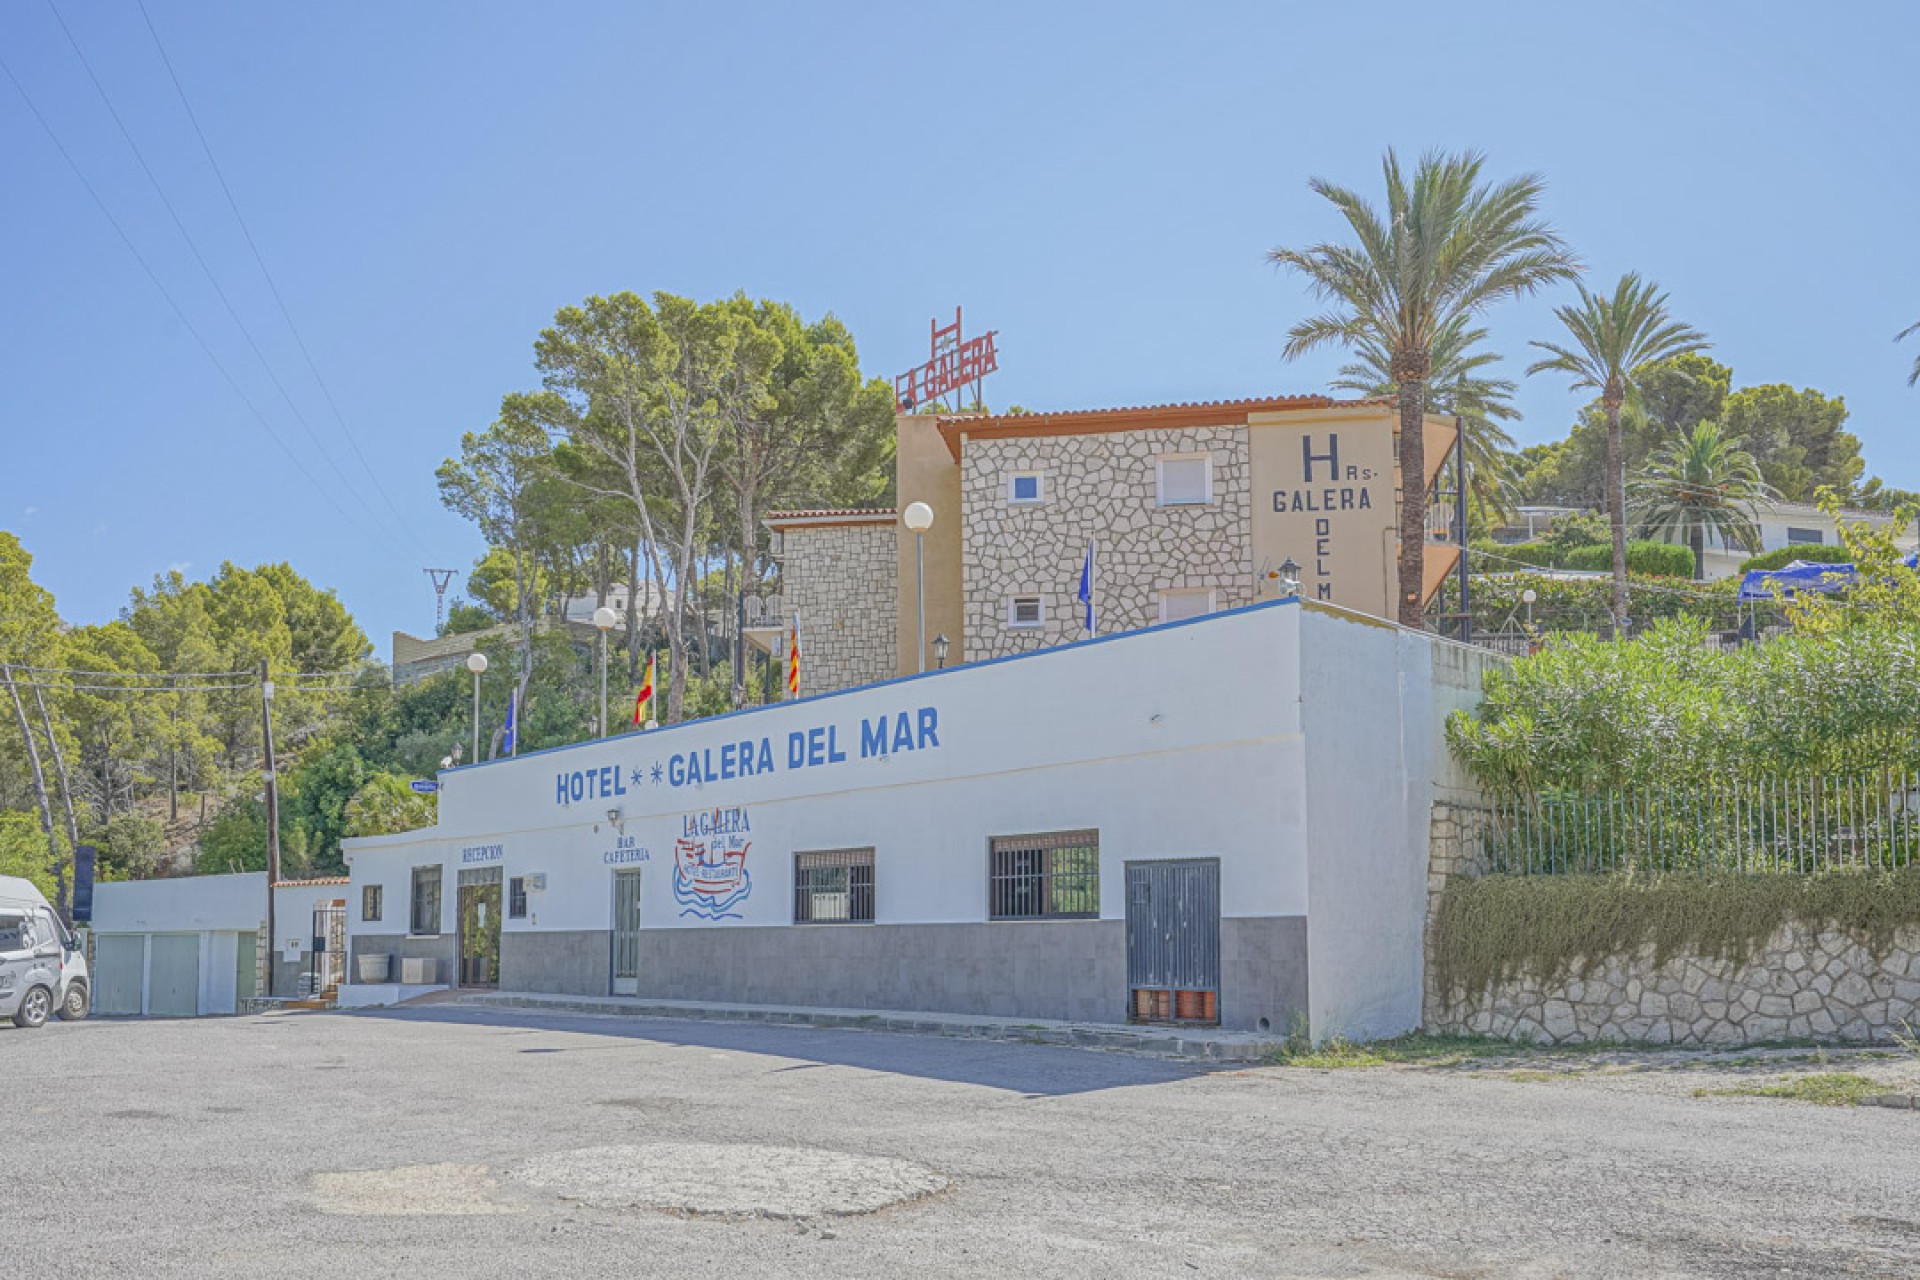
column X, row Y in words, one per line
column 1787, row 825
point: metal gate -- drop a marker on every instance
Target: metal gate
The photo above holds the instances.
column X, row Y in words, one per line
column 626, row 933
column 1173, row 941
column 327, row 961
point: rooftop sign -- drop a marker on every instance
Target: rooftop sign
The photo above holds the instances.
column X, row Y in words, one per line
column 952, row 364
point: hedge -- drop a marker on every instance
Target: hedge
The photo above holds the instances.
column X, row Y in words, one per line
column 1813, row 551
column 1499, row 557
column 1654, row 559
column 1649, row 559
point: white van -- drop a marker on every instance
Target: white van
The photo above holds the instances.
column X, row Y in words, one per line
column 42, row 969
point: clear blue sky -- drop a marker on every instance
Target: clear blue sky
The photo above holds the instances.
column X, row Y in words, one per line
column 428, row 182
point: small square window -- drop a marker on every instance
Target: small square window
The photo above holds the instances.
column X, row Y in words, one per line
column 1025, row 611
column 1186, row 480
column 1181, row 604
column 1024, row 487
column 370, row 902
column 833, row 887
column 517, row 898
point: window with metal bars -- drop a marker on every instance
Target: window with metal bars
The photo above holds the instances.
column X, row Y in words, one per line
column 517, row 898
column 1052, row 876
column 370, row 904
column 426, row 901
column 833, row 886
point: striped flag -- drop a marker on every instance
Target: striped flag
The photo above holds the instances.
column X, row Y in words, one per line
column 793, row 660
column 644, row 702
column 510, row 742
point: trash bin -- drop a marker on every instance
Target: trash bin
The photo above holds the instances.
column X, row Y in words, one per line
column 375, row 968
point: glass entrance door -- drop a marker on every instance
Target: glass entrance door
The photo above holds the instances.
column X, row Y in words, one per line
column 480, row 927
column 626, row 933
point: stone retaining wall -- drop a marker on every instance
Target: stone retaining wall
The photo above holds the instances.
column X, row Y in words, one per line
column 1803, row 983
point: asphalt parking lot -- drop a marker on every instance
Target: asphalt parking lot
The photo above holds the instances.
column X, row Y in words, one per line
column 488, row 1143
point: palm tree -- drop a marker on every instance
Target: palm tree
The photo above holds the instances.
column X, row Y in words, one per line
column 1454, row 385
column 1448, row 247
column 1703, row 481
column 1915, row 375
column 1615, row 339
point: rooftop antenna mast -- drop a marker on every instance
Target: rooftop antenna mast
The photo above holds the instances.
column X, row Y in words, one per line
column 441, row 577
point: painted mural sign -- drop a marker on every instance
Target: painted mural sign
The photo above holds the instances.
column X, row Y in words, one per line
column 1328, row 506
column 871, row 738
column 710, row 876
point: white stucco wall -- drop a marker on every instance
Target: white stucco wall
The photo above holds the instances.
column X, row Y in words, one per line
column 1368, row 718
column 1159, row 739
column 184, row 904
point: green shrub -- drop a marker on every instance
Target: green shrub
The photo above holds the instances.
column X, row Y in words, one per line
column 1810, row 551
column 1494, row 557
column 1498, row 928
column 1653, row 559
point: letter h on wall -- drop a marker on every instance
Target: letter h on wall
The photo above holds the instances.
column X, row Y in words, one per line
column 1331, row 457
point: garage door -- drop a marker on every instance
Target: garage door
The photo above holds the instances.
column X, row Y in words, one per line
column 119, row 968
column 173, row 976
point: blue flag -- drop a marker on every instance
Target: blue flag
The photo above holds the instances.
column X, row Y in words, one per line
column 1086, row 589
column 506, row 743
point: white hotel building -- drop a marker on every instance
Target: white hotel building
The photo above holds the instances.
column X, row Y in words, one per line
column 1222, row 819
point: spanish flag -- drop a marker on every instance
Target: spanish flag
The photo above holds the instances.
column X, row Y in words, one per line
column 793, row 660
column 641, row 703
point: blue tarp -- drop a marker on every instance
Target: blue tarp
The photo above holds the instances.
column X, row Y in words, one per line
column 1758, row 584
column 1800, row 575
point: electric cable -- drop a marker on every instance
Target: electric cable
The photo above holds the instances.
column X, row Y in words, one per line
column 194, row 248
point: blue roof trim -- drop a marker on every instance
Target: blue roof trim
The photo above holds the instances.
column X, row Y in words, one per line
column 654, row 734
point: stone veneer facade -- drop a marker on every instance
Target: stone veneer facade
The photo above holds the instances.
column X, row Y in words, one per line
column 840, row 580
column 1103, row 487
column 1803, row 983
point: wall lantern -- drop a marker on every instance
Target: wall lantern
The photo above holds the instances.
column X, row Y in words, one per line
column 1289, row 579
column 940, row 650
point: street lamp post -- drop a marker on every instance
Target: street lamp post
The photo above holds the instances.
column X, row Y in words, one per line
column 604, row 618
column 476, row 663
column 919, row 517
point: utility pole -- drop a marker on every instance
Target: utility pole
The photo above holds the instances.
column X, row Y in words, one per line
column 1460, row 525
column 273, row 811
column 440, row 578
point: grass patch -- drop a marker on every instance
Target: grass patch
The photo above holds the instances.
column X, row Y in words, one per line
column 1491, row 929
column 1822, row 1089
column 1417, row 1047
column 1533, row 1077
column 1336, row 1054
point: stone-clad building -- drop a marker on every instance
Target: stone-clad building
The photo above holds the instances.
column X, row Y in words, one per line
column 1189, row 509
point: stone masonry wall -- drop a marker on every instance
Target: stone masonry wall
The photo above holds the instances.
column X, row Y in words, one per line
column 840, row 580
column 1803, row 983
column 1102, row 487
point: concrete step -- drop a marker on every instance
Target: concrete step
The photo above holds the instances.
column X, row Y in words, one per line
column 1205, row 1044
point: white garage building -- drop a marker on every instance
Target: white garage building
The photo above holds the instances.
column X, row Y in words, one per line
column 191, row 946
column 1223, row 819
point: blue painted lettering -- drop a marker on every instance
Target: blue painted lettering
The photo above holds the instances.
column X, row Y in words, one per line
column 929, row 726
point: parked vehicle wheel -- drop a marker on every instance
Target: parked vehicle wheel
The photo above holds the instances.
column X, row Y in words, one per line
column 35, row 1006
column 77, row 1005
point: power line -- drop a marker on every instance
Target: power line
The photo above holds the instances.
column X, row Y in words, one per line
column 180, row 314
column 194, row 248
column 272, row 285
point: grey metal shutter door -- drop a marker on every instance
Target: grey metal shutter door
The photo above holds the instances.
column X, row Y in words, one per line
column 119, row 967
column 173, row 976
column 1173, row 925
